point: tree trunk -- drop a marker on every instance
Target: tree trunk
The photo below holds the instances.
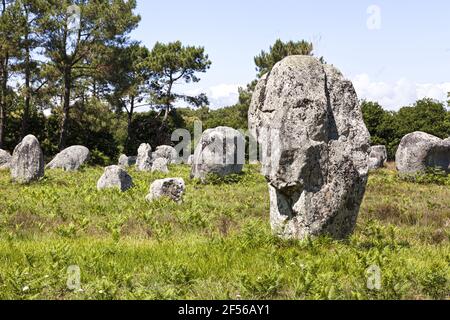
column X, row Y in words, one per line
column 66, row 107
column 129, row 120
column 26, row 111
column 3, row 101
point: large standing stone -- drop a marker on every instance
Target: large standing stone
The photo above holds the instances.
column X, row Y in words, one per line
column 70, row 159
column 144, row 159
column 419, row 151
column 126, row 162
column 221, row 151
column 172, row 188
column 315, row 148
column 27, row 162
column 5, row 158
column 378, row 157
column 160, row 165
column 115, row 177
column 167, row 152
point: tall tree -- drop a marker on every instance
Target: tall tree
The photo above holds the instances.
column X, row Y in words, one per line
column 76, row 30
column 8, row 51
column 129, row 79
column 171, row 63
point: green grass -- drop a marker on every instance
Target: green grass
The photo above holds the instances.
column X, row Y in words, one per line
column 217, row 244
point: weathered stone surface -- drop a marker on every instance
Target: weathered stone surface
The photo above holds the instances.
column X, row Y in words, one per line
column 378, row 157
column 70, row 159
column 172, row 188
column 27, row 162
column 160, row 165
column 125, row 161
column 5, row 158
column 221, row 151
column 190, row 160
column 115, row 177
column 419, row 151
column 315, row 148
column 144, row 159
column 167, row 152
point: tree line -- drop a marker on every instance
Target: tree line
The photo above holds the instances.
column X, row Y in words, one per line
column 70, row 74
column 75, row 60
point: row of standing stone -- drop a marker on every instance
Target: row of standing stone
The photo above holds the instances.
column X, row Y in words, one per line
column 27, row 163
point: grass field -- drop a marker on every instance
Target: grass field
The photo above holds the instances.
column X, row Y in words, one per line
column 217, row 244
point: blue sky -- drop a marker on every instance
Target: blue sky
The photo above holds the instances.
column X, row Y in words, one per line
column 395, row 57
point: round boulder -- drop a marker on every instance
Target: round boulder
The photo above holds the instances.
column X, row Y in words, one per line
column 115, row 177
column 172, row 188
column 221, row 151
column 70, row 159
column 315, row 148
column 378, row 157
column 419, row 151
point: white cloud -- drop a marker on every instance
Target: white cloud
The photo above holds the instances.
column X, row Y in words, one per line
column 222, row 95
column 398, row 94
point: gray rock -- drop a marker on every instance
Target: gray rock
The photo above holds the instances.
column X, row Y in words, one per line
column 70, row 159
column 221, row 151
column 126, row 162
column 115, row 177
column 5, row 158
column 172, row 188
column 419, row 151
column 378, row 157
column 27, row 162
column 190, row 160
column 160, row 165
column 144, row 159
column 315, row 148
column 167, row 152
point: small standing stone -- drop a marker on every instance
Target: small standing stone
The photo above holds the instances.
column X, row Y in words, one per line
column 126, row 162
column 160, row 165
column 172, row 188
column 221, row 151
column 115, row 177
column 27, row 162
column 5, row 158
column 378, row 157
column 144, row 158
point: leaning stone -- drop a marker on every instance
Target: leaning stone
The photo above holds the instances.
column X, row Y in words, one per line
column 144, row 159
column 172, row 188
column 27, row 162
column 419, row 151
column 70, row 159
column 160, row 165
column 221, row 151
column 378, row 157
column 315, row 148
column 5, row 158
column 126, row 162
column 115, row 177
